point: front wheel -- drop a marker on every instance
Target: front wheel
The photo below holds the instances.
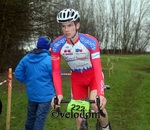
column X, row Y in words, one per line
column 84, row 125
column 98, row 125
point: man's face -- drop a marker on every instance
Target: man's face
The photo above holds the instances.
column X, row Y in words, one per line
column 69, row 29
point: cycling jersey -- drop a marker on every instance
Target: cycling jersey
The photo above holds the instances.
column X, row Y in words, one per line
column 81, row 57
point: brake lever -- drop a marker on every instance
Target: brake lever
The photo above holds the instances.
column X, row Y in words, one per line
column 98, row 105
column 56, row 103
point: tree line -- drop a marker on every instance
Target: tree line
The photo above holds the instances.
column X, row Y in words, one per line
column 120, row 26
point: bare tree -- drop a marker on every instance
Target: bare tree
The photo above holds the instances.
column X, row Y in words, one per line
column 125, row 25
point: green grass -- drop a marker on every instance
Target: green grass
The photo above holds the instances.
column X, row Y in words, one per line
column 128, row 100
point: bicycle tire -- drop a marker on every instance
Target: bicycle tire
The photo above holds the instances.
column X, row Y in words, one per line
column 98, row 126
column 84, row 124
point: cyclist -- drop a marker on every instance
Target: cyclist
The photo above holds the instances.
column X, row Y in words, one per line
column 82, row 53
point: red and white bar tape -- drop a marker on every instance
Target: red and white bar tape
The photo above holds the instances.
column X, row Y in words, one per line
column 10, row 79
column 3, row 82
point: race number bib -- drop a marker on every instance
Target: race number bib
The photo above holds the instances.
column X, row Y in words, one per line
column 78, row 106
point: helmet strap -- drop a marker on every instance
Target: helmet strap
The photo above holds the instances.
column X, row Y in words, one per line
column 73, row 36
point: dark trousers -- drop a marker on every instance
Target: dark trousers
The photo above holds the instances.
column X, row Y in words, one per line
column 36, row 115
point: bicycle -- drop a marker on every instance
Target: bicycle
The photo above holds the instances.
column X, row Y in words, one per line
column 84, row 123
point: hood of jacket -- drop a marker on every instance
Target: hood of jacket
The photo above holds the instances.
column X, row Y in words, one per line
column 37, row 55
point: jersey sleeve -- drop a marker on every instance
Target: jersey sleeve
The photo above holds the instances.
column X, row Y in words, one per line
column 56, row 73
column 97, row 66
column 56, row 47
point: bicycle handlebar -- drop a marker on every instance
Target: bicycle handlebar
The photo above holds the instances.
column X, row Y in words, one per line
column 90, row 101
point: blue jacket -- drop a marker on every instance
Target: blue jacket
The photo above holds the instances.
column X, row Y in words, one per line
column 35, row 70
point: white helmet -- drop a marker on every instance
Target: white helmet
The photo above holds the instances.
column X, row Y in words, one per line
column 68, row 15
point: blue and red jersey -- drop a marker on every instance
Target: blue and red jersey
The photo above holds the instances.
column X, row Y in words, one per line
column 82, row 56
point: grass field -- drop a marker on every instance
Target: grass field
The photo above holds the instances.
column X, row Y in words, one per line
column 128, row 99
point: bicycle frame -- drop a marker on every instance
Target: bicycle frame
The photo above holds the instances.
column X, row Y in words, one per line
column 84, row 123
